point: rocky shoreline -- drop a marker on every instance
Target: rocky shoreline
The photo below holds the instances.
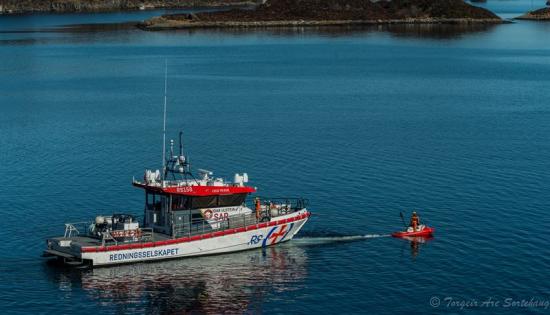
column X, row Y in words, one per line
column 537, row 15
column 71, row 6
column 159, row 23
column 290, row 13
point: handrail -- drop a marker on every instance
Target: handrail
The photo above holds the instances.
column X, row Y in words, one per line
column 294, row 203
column 269, row 208
column 198, row 227
column 107, row 236
column 72, row 227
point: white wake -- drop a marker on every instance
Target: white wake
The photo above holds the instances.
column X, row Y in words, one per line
column 334, row 239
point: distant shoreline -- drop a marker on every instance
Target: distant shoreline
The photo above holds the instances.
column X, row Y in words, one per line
column 536, row 15
column 160, row 23
column 131, row 6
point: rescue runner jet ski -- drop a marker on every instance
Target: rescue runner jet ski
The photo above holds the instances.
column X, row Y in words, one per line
column 415, row 229
column 421, row 231
column 183, row 216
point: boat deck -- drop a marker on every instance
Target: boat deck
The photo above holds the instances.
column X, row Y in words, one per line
column 85, row 241
column 270, row 211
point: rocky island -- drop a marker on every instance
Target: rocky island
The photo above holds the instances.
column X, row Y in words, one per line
column 540, row 14
column 330, row 12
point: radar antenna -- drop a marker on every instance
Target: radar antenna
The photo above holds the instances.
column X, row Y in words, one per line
column 181, row 144
column 164, row 121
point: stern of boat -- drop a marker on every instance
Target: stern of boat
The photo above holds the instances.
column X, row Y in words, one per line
column 68, row 248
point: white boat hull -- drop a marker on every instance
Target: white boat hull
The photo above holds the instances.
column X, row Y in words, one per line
column 280, row 229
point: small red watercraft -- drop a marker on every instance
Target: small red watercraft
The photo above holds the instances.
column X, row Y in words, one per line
column 422, row 230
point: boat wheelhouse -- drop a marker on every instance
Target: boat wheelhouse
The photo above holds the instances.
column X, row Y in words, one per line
column 183, row 216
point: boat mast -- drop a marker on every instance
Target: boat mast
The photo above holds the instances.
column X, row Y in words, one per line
column 164, row 121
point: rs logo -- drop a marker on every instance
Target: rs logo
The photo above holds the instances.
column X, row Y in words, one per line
column 255, row 239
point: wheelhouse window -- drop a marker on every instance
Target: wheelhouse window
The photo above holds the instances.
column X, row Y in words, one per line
column 181, row 202
column 154, row 201
column 204, row 202
column 231, row 200
column 187, row 202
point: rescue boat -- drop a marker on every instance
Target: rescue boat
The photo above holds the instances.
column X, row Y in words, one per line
column 184, row 215
column 420, row 231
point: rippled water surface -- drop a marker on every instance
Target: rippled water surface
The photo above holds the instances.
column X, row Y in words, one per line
column 452, row 122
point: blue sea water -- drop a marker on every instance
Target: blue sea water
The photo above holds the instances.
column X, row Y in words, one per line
column 366, row 123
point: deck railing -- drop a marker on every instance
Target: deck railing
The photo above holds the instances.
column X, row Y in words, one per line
column 269, row 208
column 199, row 227
column 77, row 228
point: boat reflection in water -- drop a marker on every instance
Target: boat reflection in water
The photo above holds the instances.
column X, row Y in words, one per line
column 230, row 283
column 416, row 242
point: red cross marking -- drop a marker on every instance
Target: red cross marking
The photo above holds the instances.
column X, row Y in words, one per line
column 275, row 235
